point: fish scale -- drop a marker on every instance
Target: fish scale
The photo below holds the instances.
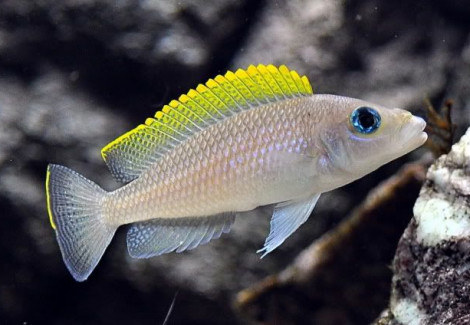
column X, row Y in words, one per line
column 251, row 138
column 220, row 183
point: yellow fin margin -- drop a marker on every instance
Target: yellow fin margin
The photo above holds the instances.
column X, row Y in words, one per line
column 48, row 200
column 217, row 99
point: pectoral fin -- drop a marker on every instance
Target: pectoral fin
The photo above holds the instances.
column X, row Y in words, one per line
column 287, row 217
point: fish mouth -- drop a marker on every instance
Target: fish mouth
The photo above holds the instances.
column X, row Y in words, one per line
column 414, row 133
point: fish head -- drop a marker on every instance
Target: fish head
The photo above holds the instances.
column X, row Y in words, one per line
column 364, row 136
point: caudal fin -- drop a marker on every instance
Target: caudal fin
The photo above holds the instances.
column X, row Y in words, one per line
column 75, row 212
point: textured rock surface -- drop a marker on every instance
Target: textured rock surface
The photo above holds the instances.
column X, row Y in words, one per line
column 321, row 281
column 74, row 74
column 431, row 282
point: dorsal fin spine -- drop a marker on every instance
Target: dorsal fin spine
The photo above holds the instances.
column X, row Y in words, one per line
column 180, row 117
column 188, row 115
column 161, row 131
column 254, row 74
column 307, row 84
column 160, row 127
column 206, row 105
column 224, row 96
column 265, row 99
column 277, row 91
column 201, row 120
column 279, row 81
column 174, row 122
column 186, row 100
column 139, row 140
column 254, row 91
column 242, row 88
column 232, row 92
column 285, row 73
column 142, row 136
column 298, row 81
column 213, row 101
column 228, row 111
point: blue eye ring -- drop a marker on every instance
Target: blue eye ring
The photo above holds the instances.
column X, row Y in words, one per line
column 365, row 120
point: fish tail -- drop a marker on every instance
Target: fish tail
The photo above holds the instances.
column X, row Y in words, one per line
column 74, row 204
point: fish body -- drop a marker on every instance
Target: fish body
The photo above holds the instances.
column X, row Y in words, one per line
column 235, row 165
column 245, row 140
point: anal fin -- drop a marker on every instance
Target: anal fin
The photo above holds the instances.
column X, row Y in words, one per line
column 287, row 217
column 160, row 236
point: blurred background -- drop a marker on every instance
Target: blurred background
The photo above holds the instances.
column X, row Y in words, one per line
column 75, row 74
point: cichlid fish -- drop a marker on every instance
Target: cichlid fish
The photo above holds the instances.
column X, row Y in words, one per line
column 254, row 138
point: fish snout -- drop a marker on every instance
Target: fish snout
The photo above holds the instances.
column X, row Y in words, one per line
column 414, row 130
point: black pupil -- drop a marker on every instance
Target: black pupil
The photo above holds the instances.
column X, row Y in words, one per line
column 366, row 118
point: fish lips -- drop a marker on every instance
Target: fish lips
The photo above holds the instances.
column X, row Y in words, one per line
column 413, row 131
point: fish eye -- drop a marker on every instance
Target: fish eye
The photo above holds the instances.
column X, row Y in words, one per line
column 365, row 120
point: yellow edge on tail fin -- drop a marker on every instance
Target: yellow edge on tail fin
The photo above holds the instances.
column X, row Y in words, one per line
column 48, row 199
column 72, row 197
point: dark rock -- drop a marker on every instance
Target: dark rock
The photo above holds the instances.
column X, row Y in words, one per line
column 131, row 53
column 75, row 74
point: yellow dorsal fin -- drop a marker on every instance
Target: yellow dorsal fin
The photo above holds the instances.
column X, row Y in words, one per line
column 219, row 98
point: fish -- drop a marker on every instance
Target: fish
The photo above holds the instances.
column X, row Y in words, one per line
column 257, row 138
